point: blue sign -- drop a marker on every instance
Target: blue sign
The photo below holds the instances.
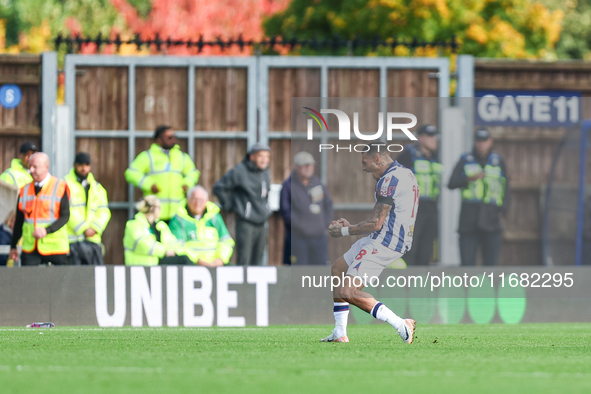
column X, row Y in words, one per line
column 10, row 96
column 527, row 108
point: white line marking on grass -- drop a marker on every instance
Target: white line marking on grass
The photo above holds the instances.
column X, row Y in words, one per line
column 137, row 329
column 252, row 371
column 132, row 370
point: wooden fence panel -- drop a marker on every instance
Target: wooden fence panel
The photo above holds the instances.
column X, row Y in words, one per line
column 161, row 97
column 344, row 82
column 20, row 124
column 101, row 98
column 220, row 99
column 412, row 83
column 113, row 237
column 285, row 84
column 25, row 72
column 215, row 157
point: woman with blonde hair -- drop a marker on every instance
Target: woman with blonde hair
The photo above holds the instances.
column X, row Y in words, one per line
column 148, row 240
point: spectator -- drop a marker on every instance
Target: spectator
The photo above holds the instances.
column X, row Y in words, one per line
column 164, row 170
column 421, row 157
column 18, row 174
column 244, row 190
column 6, row 234
column 148, row 240
column 306, row 208
column 201, row 228
column 89, row 214
column 43, row 209
column 482, row 176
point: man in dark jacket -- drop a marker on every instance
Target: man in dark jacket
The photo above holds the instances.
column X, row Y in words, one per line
column 306, row 208
column 482, row 177
column 244, row 190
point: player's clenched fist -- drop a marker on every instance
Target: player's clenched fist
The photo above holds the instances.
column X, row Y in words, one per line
column 334, row 230
column 335, row 227
column 344, row 222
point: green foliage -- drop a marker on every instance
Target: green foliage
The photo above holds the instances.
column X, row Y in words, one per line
column 143, row 7
column 92, row 16
column 85, row 17
column 575, row 39
column 9, row 13
column 491, row 28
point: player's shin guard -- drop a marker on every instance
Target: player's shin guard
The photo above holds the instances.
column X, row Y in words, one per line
column 341, row 315
column 383, row 313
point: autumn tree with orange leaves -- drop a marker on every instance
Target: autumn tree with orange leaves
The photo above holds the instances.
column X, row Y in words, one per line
column 32, row 25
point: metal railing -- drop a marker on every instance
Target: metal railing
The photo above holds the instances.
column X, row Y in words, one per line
column 334, row 43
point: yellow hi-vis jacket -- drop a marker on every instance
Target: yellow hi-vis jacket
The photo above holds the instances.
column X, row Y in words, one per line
column 167, row 171
column 93, row 213
column 141, row 246
column 17, row 174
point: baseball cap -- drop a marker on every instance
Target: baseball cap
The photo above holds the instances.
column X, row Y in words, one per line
column 303, row 159
column 427, row 129
column 82, row 158
column 27, row 146
column 258, row 147
column 482, row 135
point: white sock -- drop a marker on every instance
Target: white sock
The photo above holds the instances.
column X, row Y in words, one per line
column 341, row 314
column 383, row 313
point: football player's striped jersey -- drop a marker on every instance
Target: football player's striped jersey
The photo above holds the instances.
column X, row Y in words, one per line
column 397, row 187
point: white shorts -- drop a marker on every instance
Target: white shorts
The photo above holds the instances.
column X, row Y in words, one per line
column 367, row 258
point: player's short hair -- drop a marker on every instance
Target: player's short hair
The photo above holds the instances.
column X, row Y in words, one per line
column 159, row 130
column 376, row 150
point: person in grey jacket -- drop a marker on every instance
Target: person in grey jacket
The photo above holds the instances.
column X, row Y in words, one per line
column 244, row 191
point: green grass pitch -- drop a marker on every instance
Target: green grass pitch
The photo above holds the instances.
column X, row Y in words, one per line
column 527, row 358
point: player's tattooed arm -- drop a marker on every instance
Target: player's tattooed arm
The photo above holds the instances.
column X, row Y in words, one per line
column 374, row 223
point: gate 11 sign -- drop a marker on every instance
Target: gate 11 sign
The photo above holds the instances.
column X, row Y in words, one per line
column 527, row 108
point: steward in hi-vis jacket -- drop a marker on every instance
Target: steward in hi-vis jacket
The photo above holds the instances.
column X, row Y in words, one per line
column 201, row 228
column 148, row 240
column 165, row 171
column 89, row 214
column 18, row 172
column 482, row 177
column 43, row 209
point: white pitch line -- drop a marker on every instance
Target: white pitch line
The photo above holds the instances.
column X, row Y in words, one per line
column 321, row 372
column 34, row 329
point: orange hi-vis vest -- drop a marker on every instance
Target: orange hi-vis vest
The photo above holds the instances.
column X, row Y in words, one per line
column 42, row 210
